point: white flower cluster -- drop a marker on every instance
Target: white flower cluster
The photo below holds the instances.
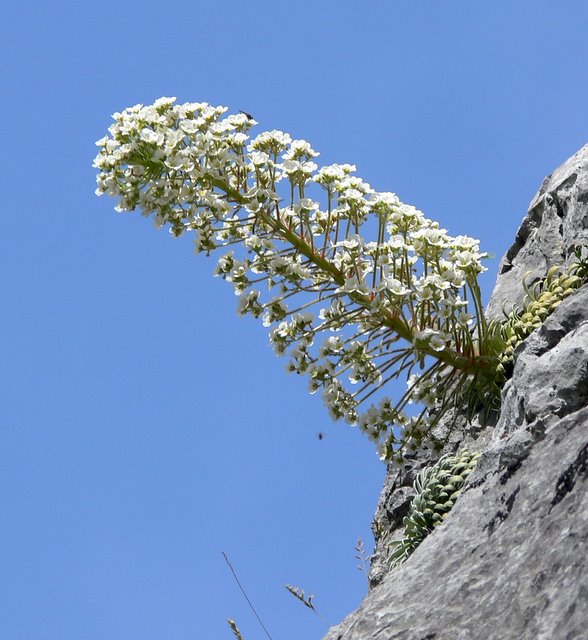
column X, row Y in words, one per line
column 352, row 313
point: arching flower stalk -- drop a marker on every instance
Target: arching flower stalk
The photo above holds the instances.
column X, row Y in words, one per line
column 355, row 287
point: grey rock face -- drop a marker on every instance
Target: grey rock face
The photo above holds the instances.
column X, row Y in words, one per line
column 556, row 221
column 397, row 492
column 510, row 560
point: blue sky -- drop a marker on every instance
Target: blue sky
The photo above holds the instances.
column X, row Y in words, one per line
column 145, row 427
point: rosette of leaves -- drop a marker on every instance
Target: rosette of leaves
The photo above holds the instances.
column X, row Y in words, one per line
column 437, row 487
column 542, row 299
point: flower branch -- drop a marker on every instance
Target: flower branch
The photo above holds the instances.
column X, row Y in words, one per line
column 365, row 310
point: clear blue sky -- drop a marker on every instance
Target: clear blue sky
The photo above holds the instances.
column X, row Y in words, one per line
column 144, row 426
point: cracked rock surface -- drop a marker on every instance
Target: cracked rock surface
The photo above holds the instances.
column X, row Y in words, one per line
column 510, row 560
column 556, row 221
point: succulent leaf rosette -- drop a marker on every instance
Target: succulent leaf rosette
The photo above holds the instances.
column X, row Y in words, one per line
column 436, row 487
column 356, row 288
column 541, row 300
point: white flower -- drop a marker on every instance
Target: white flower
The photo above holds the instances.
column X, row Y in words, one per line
column 329, row 174
column 393, row 286
column 152, row 137
column 300, row 149
column 296, row 167
column 435, row 339
column 189, row 126
column 162, row 102
column 428, row 237
column 464, row 319
column 259, row 158
column 465, row 242
column 270, row 141
column 307, row 204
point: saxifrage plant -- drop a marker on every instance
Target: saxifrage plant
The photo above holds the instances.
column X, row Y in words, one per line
column 356, row 287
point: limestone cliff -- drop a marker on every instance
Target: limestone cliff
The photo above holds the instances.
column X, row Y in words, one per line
column 510, row 560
